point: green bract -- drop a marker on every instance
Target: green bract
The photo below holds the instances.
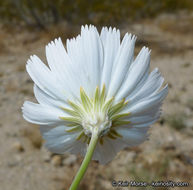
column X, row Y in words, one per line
column 97, row 111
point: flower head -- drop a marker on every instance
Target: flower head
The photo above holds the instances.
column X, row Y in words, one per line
column 95, row 83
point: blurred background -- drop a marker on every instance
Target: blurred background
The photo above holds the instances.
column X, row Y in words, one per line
column 166, row 27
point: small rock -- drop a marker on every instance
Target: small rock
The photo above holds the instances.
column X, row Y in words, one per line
column 46, row 155
column 183, row 88
column 18, row 147
column 70, row 160
column 14, row 161
column 189, row 123
column 188, row 112
column 56, row 160
column 12, row 164
column 162, row 120
column 170, row 85
column 186, row 64
column 169, row 146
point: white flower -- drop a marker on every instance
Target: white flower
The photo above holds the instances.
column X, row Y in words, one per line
column 94, row 83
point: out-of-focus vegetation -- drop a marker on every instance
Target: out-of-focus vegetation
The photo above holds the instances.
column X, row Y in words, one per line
column 177, row 121
column 44, row 12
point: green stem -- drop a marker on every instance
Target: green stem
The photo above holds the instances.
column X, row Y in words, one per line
column 86, row 161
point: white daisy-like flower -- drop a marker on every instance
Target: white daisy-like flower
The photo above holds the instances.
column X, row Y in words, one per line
column 94, row 84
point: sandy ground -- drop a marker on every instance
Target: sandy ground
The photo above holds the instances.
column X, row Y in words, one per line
column 168, row 155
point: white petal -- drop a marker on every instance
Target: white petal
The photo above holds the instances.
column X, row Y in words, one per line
column 144, row 119
column 62, row 68
column 59, row 141
column 43, row 78
column 122, row 63
column 41, row 114
column 45, row 99
column 148, row 103
column 77, row 55
column 78, row 148
column 138, row 69
column 141, row 124
column 150, row 87
column 93, row 56
column 149, row 112
column 138, row 86
column 111, row 42
column 86, row 55
column 132, row 136
column 106, row 152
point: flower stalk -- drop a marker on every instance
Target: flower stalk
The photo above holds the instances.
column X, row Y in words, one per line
column 87, row 159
